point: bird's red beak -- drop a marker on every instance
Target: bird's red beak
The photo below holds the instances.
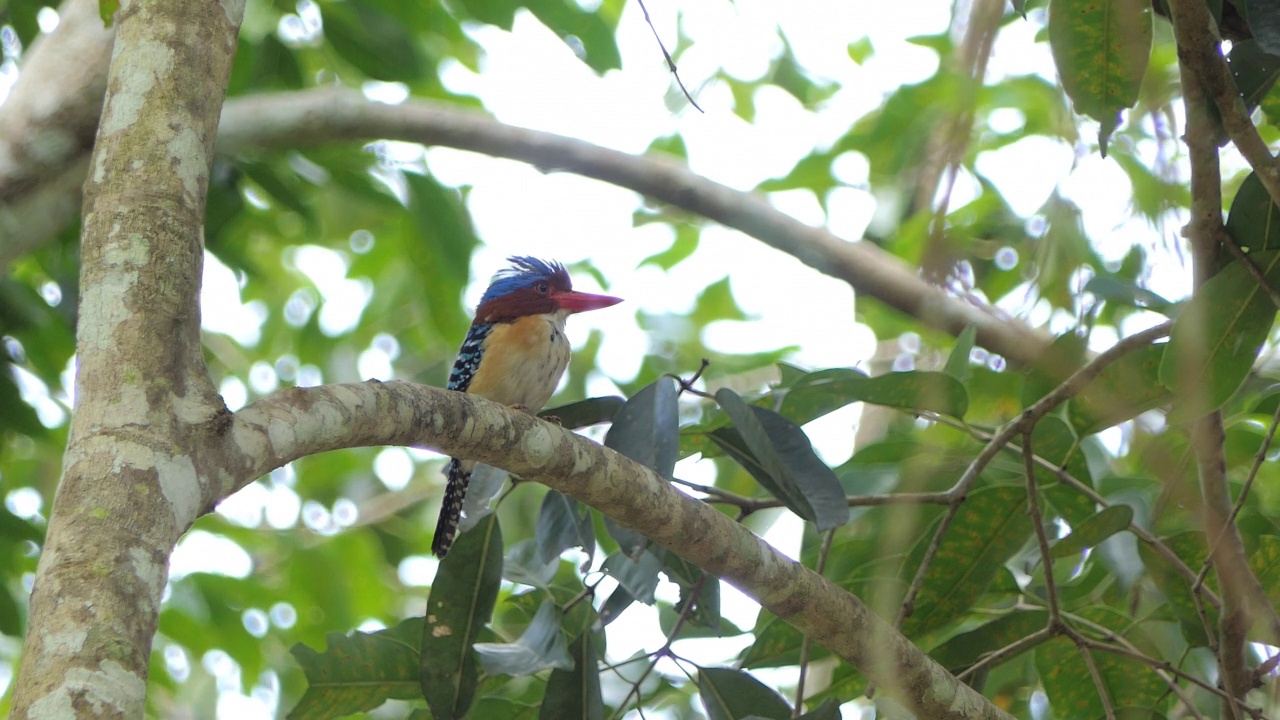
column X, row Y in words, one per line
column 582, row 302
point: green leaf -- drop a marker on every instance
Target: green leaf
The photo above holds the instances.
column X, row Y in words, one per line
column 1063, row 357
column 1265, row 563
column 1053, row 440
column 829, row 710
column 585, row 413
column 575, row 693
column 1101, row 48
column 989, row 528
column 587, row 32
column 461, row 602
column 684, row 245
column 359, row 671
column 1105, row 287
column 826, row 390
column 777, row 644
column 861, row 50
column 107, row 11
column 376, row 43
column 965, row 649
column 1191, row 548
column 735, row 695
column 958, row 365
column 1216, row 338
column 524, row 565
column 1254, row 69
column 540, row 647
column 1093, row 531
column 639, row 577
column 1123, row 390
column 563, row 523
column 1254, row 220
column 782, row 458
column 1131, row 686
column 647, row 428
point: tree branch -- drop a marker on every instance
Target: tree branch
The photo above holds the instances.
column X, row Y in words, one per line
column 303, row 421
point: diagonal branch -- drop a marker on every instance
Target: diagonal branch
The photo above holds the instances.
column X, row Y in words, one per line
column 297, row 422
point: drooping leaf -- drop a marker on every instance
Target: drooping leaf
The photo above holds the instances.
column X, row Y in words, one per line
column 563, row 523
column 647, row 428
column 1254, row 69
column 781, row 451
column 360, row 671
column 1053, row 440
column 1101, row 49
column 1063, row 357
column 1132, row 689
column 1216, row 338
column 462, row 599
column 965, row 649
column 1093, row 531
column 1191, row 549
column 734, row 695
column 524, row 564
column 574, row 694
column 1123, row 390
column 485, row 484
column 374, row 42
column 639, row 577
column 540, row 647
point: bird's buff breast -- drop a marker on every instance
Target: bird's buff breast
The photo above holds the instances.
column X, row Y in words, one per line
column 523, row 362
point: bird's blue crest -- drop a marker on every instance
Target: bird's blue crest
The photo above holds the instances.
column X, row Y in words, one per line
column 523, row 273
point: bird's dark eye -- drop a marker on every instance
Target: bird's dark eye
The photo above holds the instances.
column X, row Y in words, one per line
column 542, row 288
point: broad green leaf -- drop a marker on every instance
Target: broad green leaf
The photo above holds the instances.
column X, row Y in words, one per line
column 735, row 695
column 360, row 671
column 639, row 577
column 563, row 523
column 1254, row 220
column 524, row 565
column 1093, row 531
column 861, row 50
column 684, row 245
column 376, row 43
column 575, row 693
column 781, row 452
column 1216, row 338
column 1254, row 69
column 647, row 428
column 585, row 413
column 823, row 391
column 1191, row 548
column 586, row 32
column 989, row 528
column 1131, row 686
column 462, row 599
column 618, row 601
column 829, row 710
column 706, row 603
column 1125, row 389
column 965, row 649
column 958, row 365
column 1105, row 287
column 540, row 647
column 1101, row 48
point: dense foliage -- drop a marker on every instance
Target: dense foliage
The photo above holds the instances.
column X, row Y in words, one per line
column 1040, row 535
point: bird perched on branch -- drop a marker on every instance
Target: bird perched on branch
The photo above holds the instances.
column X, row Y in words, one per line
column 514, row 354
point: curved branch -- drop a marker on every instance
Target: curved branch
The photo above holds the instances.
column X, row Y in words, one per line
column 304, row 421
column 314, row 117
column 270, row 122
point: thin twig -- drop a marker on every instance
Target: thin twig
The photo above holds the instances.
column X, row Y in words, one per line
column 752, row 504
column 671, row 64
column 1098, row 685
column 1008, row 651
column 1037, row 521
column 665, row 650
column 804, row 643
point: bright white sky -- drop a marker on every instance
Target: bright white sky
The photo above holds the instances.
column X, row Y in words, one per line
column 531, row 78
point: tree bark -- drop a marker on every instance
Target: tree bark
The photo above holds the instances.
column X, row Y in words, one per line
column 130, row 484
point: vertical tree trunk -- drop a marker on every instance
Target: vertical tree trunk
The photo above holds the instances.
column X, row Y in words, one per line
column 131, row 481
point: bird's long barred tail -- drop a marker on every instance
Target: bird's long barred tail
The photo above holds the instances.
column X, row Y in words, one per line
column 450, row 509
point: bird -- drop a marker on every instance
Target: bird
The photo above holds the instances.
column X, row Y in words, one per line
column 514, row 354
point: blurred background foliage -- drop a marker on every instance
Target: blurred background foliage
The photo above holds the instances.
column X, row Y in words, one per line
column 328, row 545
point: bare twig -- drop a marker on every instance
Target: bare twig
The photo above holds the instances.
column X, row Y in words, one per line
column 671, row 64
column 1037, row 521
column 1098, row 685
column 820, row 568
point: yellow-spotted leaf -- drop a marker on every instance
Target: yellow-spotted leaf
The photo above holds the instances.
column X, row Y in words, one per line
column 1101, row 48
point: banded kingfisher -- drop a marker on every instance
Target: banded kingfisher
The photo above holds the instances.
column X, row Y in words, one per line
column 514, row 354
